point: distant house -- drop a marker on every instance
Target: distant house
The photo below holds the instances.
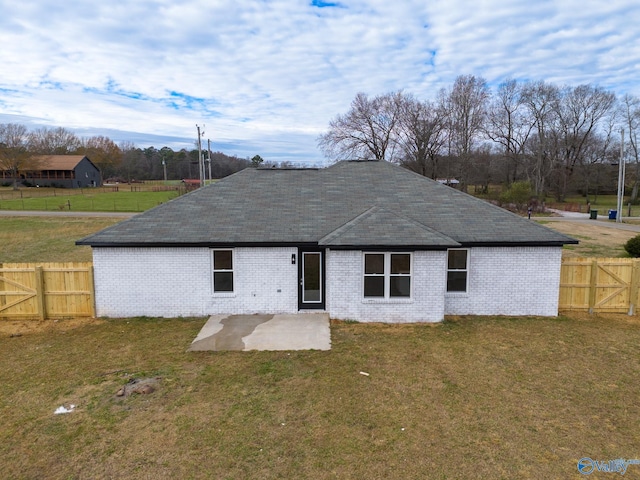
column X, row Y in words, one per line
column 451, row 182
column 66, row 171
column 191, row 184
column 360, row 240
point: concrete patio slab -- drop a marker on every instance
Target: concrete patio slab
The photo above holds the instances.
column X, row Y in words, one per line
column 304, row 331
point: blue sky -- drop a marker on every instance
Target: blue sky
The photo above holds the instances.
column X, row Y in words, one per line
column 266, row 77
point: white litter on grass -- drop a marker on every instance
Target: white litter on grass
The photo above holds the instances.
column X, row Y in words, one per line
column 63, row 409
column 364, row 373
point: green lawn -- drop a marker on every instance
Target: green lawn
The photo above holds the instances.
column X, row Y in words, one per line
column 472, row 398
column 89, row 201
column 47, row 239
column 603, row 204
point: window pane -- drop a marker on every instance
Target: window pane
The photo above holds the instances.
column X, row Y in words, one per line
column 374, row 286
column 400, row 263
column 457, row 259
column 456, row 281
column 400, row 286
column 223, row 281
column 222, row 260
column 374, row 263
column 311, row 277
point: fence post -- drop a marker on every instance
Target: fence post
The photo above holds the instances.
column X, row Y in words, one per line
column 592, row 285
column 633, row 289
column 40, row 293
column 92, row 292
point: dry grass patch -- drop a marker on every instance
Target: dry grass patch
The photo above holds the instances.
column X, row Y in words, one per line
column 469, row 398
column 595, row 240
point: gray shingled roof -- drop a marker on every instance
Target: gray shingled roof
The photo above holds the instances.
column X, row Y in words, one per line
column 350, row 204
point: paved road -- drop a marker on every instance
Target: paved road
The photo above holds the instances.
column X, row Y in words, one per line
column 65, row 213
column 602, row 221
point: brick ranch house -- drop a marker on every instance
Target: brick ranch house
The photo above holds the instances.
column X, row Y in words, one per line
column 360, row 240
column 64, row 171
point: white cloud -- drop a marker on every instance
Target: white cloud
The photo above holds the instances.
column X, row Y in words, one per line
column 273, row 74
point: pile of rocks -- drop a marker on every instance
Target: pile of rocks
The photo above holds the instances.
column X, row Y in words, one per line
column 142, row 386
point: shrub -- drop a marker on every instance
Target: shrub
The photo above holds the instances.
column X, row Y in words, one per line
column 518, row 193
column 633, row 246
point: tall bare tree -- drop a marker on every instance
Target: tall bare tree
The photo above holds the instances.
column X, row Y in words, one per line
column 466, row 107
column 580, row 110
column 509, row 126
column 14, row 154
column 541, row 99
column 630, row 106
column 53, row 141
column 421, row 135
column 600, row 150
column 367, row 130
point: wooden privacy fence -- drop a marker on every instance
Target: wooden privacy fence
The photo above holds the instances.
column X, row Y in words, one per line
column 54, row 290
column 46, row 290
column 599, row 284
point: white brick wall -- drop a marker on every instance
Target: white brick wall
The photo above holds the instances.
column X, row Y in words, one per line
column 345, row 299
column 162, row 282
column 265, row 282
column 509, row 281
column 178, row 281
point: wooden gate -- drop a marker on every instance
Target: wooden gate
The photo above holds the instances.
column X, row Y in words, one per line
column 599, row 284
column 46, row 290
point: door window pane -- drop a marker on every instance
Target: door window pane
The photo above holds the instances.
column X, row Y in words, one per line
column 312, row 276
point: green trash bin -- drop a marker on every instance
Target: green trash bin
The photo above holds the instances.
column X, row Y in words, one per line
column 594, row 214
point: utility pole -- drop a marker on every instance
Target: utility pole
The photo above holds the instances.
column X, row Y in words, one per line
column 209, row 150
column 164, row 168
column 200, row 165
column 621, row 172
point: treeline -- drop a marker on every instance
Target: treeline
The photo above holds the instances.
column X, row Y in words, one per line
column 150, row 164
column 19, row 146
column 559, row 139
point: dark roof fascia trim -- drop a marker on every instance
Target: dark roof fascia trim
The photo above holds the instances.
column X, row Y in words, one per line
column 394, row 248
column 315, row 245
column 518, row 244
column 197, row 244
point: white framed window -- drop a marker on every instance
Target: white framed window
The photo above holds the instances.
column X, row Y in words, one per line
column 222, row 270
column 387, row 275
column 457, row 270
